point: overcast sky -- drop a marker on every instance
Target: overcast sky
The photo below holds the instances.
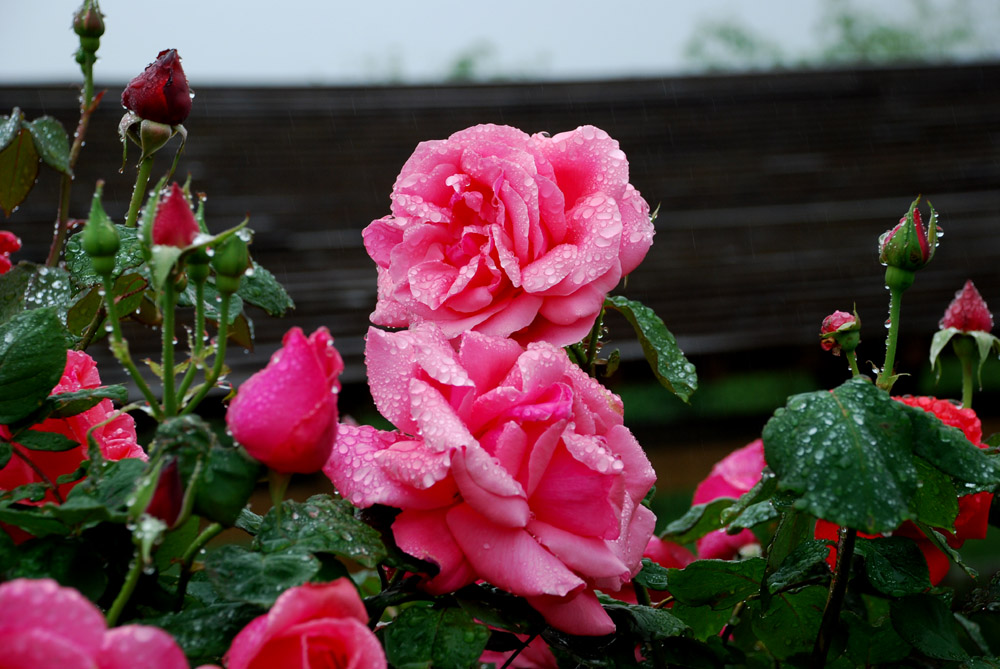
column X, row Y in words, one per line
column 331, row 42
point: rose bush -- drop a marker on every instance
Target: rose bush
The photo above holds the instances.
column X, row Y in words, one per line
column 508, row 234
column 510, row 465
column 115, row 434
column 286, row 414
column 732, row 476
column 313, row 625
column 43, row 624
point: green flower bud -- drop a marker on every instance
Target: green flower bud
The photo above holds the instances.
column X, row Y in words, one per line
column 230, row 263
column 909, row 246
column 88, row 23
column 197, row 266
column 100, row 239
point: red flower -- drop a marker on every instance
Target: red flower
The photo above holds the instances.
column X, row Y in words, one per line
column 175, row 224
column 9, row 243
column 732, row 476
column 840, row 330
column 161, row 92
column 968, row 311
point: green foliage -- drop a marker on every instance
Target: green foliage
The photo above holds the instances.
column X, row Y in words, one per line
column 242, row 575
column 699, row 520
column 422, row 637
column 32, row 359
column 720, row 584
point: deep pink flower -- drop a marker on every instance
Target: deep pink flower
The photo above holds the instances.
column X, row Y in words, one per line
column 968, row 311
column 161, row 92
column 840, row 330
column 667, row 554
column 43, row 624
column 510, row 466
column 117, row 439
column 312, row 625
column 536, row 656
column 286, row 414
column 9, row 243
column 732, row 476
column 174, row 223
column 508, row 234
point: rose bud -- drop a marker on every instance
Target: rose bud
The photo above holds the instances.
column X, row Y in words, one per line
column 89, row 21
column 908, row 246
column 161, row 92
column 968, row 311
column 840, row 331
column 168, row 497
column 174, row 224
column 9, row 243
column 286, row 414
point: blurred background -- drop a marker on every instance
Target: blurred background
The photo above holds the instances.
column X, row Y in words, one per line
column 779, row 140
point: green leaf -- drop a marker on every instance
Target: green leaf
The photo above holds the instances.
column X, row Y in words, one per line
column 64, row 405
column 71, row 561
column 946, row 448
column 247, row 576
column 32, row 360
column 249, row 522
column 6, row 453
column 228, row 478
column 212, row 304
column 720, row 584
column 754, row 515
column 794, row 529
column 12, row 288
column 34, row 440
column 103, row 496
column 804, row 564
column 939, row 341
column 936, row 501
column 162, row 264
column 204, row 633
column 699, row 520
column 665, row 357
column 261, row 289
column 847, row 452
column 441, row 638
column 650, row 624
column 925, row 622
column 30, row 286
column 789, row 625
column 652, row 576
column 870, row 645
column 320, row 525
column 33, row 520
column 704, row 621
column 18, row 171
column 51, row 142
column 894, row 565
column 81, row 268
column 9, row 127
column 175, row 543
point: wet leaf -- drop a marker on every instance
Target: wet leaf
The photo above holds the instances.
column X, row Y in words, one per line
column 9, row 127
column 720, row 584
column 652, row 576
column 925, row 622
column 18, row 171
column 665, row 357
column 51, row 142
column 441, row 638
column 804, row 564
column 894, row 565
column 871, row 645
column 789, row 625
column 81, row 268
column 32, row 359
column 204, row 633
column 33, row 440
column 648, row 623
column 242, row 575
column 699, row 520
column 259, row 288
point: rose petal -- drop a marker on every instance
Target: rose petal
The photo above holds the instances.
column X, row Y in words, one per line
column 132, row 646
column 581, row 614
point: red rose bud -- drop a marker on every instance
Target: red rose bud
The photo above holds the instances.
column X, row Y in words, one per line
column 909, row 245
column 175, row 224
column 286, row 414
column 968, row 312
column 168, row 498
column 840, row 331
column 161, row 92
column 9, row 243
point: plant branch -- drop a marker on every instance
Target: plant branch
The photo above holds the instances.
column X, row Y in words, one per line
column 120, row 348
column 42, row 475
column 838, row 588
column 886, row 378
column 128, row 587
column 220, row 356
column 141, row 181
column 187, row 560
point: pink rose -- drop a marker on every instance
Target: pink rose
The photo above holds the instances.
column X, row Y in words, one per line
column 116, row 438
column 510, row 466
column 286, row 414
column 508, row 234
column 732, row 476
column 174, row 223
column 43, row 624
column 312, row 625
column 536, row 655
column 667, row 554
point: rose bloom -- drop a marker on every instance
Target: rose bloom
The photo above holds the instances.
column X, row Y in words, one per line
column 508, row 234
column 161, row 92
column 668, row 555
column 116, row 438
column 43, row 624
column 973, row 510
column 312, row 625
column 510, row 466
column 732, row 476
column 9, row 243
column 286, row 414
column 536, row 655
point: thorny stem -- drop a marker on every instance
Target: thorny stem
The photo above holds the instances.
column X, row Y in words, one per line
column 885, row 377
column 187, row 560
column 40, row 473
column 120, row 348
column 128, row 587
column 838, row 587
column 168, row 299
column 87, row 107
column 220, row 355
column 141, row 180
column 198, row 343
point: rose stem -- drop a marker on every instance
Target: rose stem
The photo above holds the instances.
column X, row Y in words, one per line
column 141, row 180
column 199, row 335
column 187, row 560
column 838, row 587
column 885, row 378
column 120, row 348
column 128, row 587
column 220, row 355
column 168, row 300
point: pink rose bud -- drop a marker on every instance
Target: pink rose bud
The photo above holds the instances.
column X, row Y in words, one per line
column 286, row 414
column 910, row 245
column 968, row 311
column 161, row 92
column 9, row 243
column 840, row 331
column 175, row 224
